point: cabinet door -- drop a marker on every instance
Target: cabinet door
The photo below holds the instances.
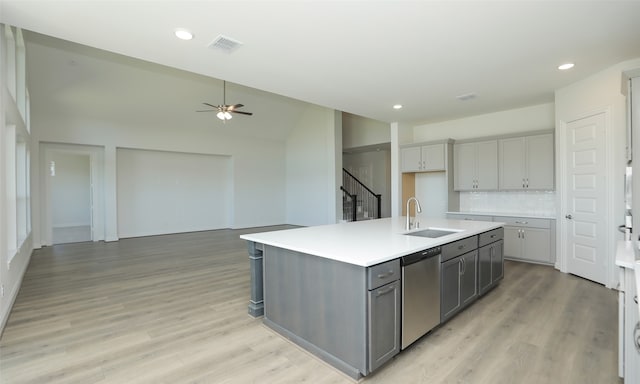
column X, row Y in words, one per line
column 536, row 244
column 384, row 324
column 497, row 261
column 487, row 165
column 512, row 163
column 484, row 268
column 468, row 278
column 464, row 166
column 450, row 283
column 411, row 160
column 433, row 157
column 512, row 242
column 540, row 162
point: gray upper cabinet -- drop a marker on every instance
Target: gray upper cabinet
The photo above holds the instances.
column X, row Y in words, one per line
column 527, row 163
column 476, row 166
column 423, row 158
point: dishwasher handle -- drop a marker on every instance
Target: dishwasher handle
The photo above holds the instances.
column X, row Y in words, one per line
column 419, row 256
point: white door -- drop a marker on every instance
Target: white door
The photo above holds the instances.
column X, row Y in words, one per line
column 586, row 186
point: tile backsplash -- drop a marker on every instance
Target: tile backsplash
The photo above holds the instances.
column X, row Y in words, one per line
column 522, row 202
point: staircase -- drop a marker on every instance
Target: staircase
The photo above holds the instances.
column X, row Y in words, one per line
column 359, row 202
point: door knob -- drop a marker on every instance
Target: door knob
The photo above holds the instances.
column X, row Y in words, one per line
column 569, row 217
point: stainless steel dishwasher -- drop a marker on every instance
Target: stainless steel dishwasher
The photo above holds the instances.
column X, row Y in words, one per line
column 420, row 294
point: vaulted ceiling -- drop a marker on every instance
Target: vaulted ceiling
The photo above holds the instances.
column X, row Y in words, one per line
column 361, row 57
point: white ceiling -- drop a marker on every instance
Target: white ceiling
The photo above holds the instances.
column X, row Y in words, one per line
column 360, row 56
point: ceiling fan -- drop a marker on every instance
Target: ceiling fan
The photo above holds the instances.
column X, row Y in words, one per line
column 225, row 110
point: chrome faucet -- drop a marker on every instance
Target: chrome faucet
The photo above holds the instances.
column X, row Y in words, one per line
column 418, row 210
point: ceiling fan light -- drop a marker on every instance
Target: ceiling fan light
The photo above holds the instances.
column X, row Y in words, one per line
column 220, row 115
column 227, row 115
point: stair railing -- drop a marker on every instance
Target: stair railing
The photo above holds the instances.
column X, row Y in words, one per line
column 349, row 205
column 367, row 202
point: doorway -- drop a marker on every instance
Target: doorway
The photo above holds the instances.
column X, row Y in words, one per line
column 72, row 195
column 70, row 181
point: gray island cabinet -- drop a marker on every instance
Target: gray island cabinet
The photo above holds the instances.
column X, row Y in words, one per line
column 336, row 290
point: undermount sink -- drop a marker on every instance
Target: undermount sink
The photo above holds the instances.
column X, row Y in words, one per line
column 432, row 233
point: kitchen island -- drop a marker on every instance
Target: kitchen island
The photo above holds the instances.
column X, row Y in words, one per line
column 335, row 289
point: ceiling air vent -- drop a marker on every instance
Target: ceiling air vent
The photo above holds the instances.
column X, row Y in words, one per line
column 466, row 96
column 225, row 44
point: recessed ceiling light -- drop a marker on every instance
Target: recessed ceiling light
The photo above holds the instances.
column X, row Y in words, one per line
column 565, row 66
column 397, row 106
column 183, row 34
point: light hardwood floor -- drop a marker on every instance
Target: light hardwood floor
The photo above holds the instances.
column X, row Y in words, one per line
column 173, row 309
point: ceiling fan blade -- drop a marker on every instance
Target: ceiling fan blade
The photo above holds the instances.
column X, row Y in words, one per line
column 234, row 106
column 212, row 106
column 241, row 112
column 208, row 110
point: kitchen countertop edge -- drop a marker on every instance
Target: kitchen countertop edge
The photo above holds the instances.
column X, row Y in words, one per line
column 367, row 243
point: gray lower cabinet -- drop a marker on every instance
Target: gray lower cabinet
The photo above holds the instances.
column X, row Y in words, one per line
column 490, row 265
column 345, row 314
column 459, row 284
column 490, row 259
column 529, row 239
column 384, row 323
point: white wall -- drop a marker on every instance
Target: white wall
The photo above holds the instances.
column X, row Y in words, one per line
column 311, row 166
column 258, row 164
column 71, row 190
column 193, row 190
column 532, row 118
column 358, row 131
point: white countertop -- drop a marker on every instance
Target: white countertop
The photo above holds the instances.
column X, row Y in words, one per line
column 506, row 214
column 368, row 242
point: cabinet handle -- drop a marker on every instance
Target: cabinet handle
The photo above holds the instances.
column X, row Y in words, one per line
column 463, row 266
column 492, row 236
column 461, row 247
column 527, row 182
column 523, row 186
column 635, row 298
column 523, row 233
column 522, row 222
column 386, row 274
column 386, row 290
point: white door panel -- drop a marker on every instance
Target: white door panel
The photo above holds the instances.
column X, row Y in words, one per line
column 586, row 186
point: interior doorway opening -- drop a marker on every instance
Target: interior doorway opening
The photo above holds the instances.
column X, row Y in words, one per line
column 72, row 177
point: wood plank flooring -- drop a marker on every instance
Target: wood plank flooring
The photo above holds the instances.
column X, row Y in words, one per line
column 173, row 309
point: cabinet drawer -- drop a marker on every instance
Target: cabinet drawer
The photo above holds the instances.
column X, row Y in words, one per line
column 460, row 216
column 381, row 274
column 490, row 236
column 524, row 221
column 457, row 248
